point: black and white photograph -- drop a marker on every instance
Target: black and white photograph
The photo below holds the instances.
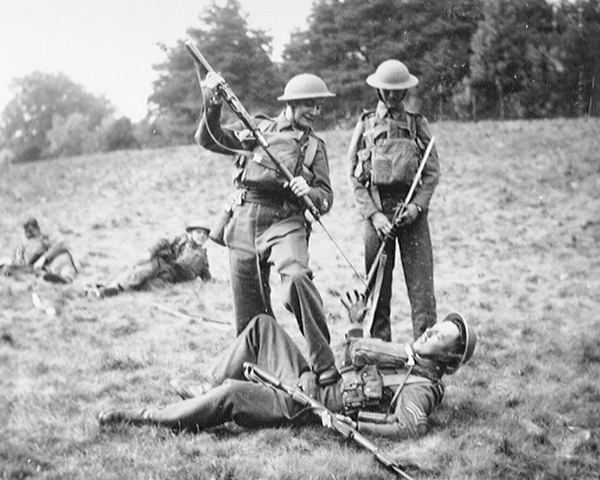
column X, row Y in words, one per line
column 300, row 239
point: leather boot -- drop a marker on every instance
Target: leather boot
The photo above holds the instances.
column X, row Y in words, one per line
column 135, row 416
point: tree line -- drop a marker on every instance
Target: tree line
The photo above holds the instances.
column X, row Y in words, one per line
column 475, row 59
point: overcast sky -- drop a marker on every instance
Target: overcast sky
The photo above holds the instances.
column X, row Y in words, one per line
column 109, row 46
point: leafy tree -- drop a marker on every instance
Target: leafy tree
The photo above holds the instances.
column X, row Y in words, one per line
column 116, row 134
column 239, row 53
column 511, row 65
column 41, row 98
column 71, row 136
column 579, row 26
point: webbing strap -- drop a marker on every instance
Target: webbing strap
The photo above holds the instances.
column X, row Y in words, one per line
column 311, row 150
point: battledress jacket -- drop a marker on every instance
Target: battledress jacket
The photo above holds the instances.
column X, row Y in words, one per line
column 181, row 254
column 367, row 196
column 227, row 141
column 34, row 248
column 421, row 393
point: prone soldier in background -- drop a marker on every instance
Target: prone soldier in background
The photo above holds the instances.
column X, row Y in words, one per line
column 268, row 226
column 43, row 255
column 178, row 260
column 383, row 158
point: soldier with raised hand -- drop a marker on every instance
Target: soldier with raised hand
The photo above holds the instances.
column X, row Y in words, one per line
column 268, row 227
column 383, row 158
column 387, row 389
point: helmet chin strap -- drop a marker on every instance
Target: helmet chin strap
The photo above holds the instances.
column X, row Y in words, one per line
column 396, row 104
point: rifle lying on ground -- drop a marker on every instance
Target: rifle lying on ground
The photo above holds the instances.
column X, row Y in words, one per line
column 375, row 275
column 234, row 103
column 185, row 316
column 256, row 374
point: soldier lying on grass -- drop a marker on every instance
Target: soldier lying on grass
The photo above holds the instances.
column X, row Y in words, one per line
column 386, row 388
column 42, row 255
column 178, row 260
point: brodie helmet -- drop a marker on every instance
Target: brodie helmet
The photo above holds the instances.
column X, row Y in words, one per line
column 197, row 224
column 468, row 341
column 304, row 86
column 392, row 75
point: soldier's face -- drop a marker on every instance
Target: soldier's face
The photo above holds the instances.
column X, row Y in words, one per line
column 437, row 340
column 31, row 231
column 199, row 236
column 303, row 113
column 393, row 98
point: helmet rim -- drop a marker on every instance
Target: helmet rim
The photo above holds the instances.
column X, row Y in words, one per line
column 197, row 224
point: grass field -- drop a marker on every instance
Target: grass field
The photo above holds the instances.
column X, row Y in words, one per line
column 516, row 233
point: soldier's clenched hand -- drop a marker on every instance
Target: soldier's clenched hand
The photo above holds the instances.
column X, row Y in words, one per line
column 382, row 225
column 210, row 86
column 299, row 186
column 409, row 215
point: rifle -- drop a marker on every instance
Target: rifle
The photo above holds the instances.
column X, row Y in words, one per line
column 256, row 374
column 375, row 275
column 234, row 103
column 185, row 316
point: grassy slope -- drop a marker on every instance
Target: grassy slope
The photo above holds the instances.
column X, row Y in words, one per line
column 516, row 231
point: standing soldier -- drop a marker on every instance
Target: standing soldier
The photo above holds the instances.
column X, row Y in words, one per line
column 384, row 155
column 268, row 226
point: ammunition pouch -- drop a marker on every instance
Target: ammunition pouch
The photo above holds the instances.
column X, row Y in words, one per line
column 374, row 351
column 258, row 172
column 361, row 388
column 391, row 155
column 394, row 161
column 217, row 230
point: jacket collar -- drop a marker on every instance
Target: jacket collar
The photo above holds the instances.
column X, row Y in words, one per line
column 382, row 111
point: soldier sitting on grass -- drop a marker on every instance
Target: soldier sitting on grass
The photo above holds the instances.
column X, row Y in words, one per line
column 42, row 255
column 179, row 260
column 386, row 388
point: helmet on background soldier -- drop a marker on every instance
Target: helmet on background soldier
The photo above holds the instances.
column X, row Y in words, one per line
column 197, row 224
column 392, row 75
column 305, row 86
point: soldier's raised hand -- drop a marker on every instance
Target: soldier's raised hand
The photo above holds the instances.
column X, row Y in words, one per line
column 210, row 86
column 356, row 306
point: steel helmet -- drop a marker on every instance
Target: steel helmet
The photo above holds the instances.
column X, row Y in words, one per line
column 392, row 75
column 469, row 340
column 305, row 85
column 197, row 224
